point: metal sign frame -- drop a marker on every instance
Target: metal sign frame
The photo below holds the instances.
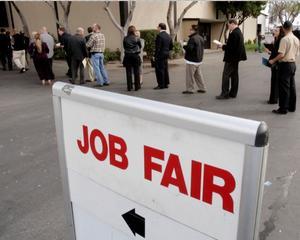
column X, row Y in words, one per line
column 254, row 135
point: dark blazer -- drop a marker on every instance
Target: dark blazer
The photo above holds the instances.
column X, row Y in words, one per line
column 235, row 48
column 64, row 40
column 163, row 45
column 77, row 48
column 4, row 43
column 132, row 44
column 195, row 48
column 19, row 42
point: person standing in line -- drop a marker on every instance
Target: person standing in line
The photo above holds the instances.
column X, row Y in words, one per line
column 96, row 44
column 89, row 64
column 77, row 50
column 10, row 51
column 4, row 48
column 289, row 49
column 48, row 39
column 38, row 50
column 19, row 51
column 163, row 46
column 234, row 52
column 138, row 34
column 64, row 40
column 27, row 43
column 272, row 49
column 132, row 47
column 194, row 51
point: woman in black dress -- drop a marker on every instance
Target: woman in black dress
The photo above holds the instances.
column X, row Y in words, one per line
column 38, row 51
column 132, row 61
column 272, row 49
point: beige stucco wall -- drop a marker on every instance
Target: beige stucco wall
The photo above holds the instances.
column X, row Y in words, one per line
column 249, row 29
column 82, row 14
column 202, row 10
column 147, row 15
column 216, row 30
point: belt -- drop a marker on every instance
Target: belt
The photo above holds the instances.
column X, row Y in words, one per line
column 95, row 52
column 286, row 62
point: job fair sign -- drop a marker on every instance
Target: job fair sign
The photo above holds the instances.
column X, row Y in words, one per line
column 139, row 169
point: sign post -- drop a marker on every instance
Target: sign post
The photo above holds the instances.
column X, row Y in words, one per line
column 139, row 169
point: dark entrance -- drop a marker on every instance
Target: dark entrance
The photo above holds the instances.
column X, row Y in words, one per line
column 3, row 15
column 205, row 31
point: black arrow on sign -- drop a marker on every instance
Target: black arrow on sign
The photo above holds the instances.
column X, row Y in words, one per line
column 135, row 222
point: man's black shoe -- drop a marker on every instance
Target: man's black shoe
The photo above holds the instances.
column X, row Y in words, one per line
column 231, row 96
column 4, row 69
column 157, row 88
column 22, row 70
column 222, row 97
column 71, row 81
column 187, row 92
column 201, row 91
column 292, row 110
column 105, row 84
column 279, row 111
column 81, row 83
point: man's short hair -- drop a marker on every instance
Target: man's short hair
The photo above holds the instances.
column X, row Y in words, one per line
column 162, row 26
column 80, row 30
column 62, row 29
column 90, row 29
column 97, row 26
column 233, row 20
column 287, row 25
column 195, row 27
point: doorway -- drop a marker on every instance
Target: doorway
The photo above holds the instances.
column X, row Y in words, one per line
column 205, row 32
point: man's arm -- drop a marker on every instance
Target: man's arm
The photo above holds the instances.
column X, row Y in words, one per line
column 157, row 46
column 89, row 44
column 189, row 46
column 281, row 52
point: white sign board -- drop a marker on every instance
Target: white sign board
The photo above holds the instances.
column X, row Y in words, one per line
column 135, row 168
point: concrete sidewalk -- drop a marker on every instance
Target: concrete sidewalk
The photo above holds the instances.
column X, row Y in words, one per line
column 31, row 202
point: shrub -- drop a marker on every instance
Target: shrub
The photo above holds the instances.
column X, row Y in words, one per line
column 177, row 51
column 149, row 36
column 111, row 55
column 59, row 54
column 250, row 47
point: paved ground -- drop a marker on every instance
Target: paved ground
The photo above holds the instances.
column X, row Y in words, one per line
column 31, row 203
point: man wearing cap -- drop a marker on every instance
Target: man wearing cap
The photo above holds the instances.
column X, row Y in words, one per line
column 289, row 48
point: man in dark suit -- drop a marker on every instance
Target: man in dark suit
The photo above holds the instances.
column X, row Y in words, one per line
column 4, row 49
column 163, row 46
column 77, row 50
column 64, row 40
column 234, row 52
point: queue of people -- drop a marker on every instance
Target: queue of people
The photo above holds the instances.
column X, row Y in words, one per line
column 88, row 52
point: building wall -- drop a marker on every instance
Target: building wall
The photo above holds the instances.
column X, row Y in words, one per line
column 262, row 20
column 82, row 14
column 216, row 31
column 147, row 15
column 249, row 28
